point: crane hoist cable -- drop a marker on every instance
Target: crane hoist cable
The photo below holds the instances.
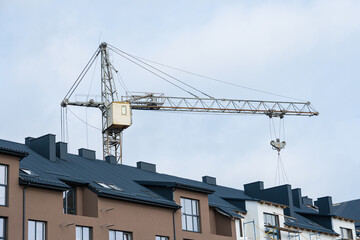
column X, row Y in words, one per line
column 216, row 80
column 82, row 74
column 158, row 75
column 120, row 52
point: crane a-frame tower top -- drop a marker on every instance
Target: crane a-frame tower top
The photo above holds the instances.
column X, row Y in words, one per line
column 116, row 113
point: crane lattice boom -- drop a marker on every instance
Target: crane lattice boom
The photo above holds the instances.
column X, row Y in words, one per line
column 112, row 136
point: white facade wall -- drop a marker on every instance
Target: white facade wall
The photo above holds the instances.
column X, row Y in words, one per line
column 255, row 212
column 338, row 224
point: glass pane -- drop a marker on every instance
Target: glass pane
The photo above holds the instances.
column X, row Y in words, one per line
column 183, row 219
column 127, row 236
column 196, row 224
column 195, row 208
column 119, row 235
column 123, row 110
column 3, row 177
column 86, row 233
column 112, row 235
column 2, row 226
column 182, row 203
column 70, row 200
column 158, row 238
column 2, row 195
column 189, row 223
column 187, row 206
column 78, row 233
column 31, row 230
column 40, row 228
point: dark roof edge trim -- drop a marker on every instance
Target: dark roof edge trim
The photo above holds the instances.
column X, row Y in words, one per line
column 14, row 153
column 169, row 184
column 312, row 230
column 41, row 185
column 129, row 199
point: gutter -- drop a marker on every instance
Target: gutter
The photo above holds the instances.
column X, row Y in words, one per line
column 174, row 223
column 23, row 226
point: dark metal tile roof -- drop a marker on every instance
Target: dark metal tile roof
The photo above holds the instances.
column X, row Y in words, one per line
column 60, row 174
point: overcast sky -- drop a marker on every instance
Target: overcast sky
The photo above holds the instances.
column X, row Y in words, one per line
column 303, row 49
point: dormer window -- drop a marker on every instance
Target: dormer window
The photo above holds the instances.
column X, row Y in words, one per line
column 190, row 215
column 346, row 234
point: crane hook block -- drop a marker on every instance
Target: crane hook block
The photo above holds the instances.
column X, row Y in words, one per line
column 278, row 145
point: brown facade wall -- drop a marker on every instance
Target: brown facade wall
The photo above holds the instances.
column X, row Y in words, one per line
column 206, row 219
column 13, row 211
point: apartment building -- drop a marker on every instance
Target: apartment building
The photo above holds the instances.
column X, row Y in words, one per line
column 48, row 193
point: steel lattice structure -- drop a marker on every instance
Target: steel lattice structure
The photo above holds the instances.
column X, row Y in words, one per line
column 112, row 138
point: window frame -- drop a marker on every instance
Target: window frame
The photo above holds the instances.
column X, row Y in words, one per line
column 35, row 230
column 65, row 208
column 82, row 231
column 4, row 226
column 5, row 185
column 158, row 237
column 184, row 215
column 275, row 233
column 123, row 232
column 351, row 237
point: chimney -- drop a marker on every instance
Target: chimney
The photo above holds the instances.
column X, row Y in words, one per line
column 253, row 187
column 209, row 180
column 146, row 166
column 296, row 196
column 61, row 150
column 325, row 205
column 87, row 153
column 27, row 141
column 110, row 159
column 45, row 146
column 308, row 201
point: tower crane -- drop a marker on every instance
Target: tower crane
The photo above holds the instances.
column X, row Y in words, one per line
column 117, row 113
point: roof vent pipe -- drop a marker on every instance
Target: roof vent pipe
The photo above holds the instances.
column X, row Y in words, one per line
column 87, row 153
column 146, row 166
column 110, row 159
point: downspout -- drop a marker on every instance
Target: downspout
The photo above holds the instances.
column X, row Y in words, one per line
column 23, row 227
column 174, row 223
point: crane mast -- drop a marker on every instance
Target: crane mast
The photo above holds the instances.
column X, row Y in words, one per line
column 116, row 116
column 111, row 137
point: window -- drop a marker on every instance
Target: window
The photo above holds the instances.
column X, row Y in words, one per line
column 238, row 228
column 119, row 235
column 83, row 233
column 123, row 110
column 271, row 222
column 161, row 238
column 2, row 228
column 109, row 186
column 3, row 185
column 346, row 233
column 190, row 215
column 69, row 201
column 36, row 230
